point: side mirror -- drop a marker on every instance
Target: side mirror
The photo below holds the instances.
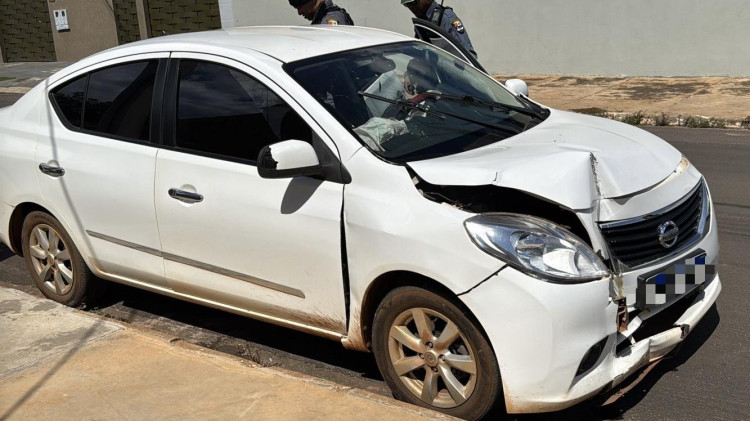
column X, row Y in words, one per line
column 288, row 159
column 517, row 86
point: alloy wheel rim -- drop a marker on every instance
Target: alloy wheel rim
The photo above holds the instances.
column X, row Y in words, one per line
column 432, row 357
column 51, row 259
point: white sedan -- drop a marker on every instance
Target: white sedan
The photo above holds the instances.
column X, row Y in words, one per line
column 369, row 188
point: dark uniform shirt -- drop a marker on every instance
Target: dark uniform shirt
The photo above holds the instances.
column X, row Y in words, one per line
column 330, row 14
column 451, row 24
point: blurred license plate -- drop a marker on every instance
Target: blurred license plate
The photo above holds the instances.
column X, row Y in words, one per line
column 665, row 286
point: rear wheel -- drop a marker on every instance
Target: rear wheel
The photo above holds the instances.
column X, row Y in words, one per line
column 433, row 355
column 55, row 264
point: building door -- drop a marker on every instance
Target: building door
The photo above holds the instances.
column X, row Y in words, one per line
column 25, row 31
column 168, row 17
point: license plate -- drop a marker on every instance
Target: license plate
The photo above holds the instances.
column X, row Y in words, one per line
column 676, row 280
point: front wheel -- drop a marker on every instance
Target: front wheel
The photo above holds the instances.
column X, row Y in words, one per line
column 55, row 264
column 433, row 355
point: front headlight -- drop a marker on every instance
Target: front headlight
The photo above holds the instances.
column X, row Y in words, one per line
column 536, row 246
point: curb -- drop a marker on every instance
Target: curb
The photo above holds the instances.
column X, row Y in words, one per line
column 276, row 371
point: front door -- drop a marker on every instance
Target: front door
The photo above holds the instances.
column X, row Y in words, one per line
column 271, row 247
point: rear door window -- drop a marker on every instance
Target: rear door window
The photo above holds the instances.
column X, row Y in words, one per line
column 68, row 100
column 118, row 100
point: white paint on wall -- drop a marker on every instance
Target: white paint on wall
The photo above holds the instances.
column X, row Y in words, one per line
column 226, row 12
column 573, row 37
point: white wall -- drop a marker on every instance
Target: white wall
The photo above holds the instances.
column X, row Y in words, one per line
column 572, row 37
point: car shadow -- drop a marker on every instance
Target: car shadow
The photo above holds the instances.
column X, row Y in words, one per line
column 257, row 341
column 299, row 191
column 5, row 253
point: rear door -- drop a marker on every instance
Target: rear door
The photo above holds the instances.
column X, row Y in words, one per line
column 96, row 163
column 272, row 247
column 433, row 34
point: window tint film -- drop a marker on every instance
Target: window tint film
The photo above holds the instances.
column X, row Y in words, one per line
column 119, row 100
column 225, row 112
column 69, row 100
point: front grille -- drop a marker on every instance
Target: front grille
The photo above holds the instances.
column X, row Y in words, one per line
column 636, row 242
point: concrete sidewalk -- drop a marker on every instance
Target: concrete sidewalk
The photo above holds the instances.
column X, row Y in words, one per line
column 710, row 97
column 61, row 363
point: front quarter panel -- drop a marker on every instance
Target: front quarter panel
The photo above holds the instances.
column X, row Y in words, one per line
column 540, row 331
column 390, row 227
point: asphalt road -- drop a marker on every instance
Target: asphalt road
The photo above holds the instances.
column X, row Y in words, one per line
column 708, row 379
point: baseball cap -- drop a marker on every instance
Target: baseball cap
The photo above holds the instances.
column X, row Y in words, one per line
column 298, row 3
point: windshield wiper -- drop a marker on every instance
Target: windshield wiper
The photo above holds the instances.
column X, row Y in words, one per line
column 407, row 104
column 468, row 99
column 540, row 110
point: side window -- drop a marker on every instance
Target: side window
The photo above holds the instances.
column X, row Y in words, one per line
column 118, row 101
column 431, row 37
column 224, row 112
column 431, row 34
column 69, row 98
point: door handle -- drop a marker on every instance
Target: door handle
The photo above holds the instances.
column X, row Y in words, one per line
column 185, row 196
column 51, row 170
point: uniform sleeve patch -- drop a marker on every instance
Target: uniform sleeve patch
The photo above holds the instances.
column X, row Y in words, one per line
column 458, row 25
column 332, row 21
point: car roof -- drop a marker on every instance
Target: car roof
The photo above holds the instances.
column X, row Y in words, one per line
column 289, row 43
column 279, row 43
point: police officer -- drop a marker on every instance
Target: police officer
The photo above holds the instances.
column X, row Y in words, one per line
column 322, row 12
column 443, row 17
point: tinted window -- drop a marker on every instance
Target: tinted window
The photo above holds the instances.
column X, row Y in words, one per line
column 224, row 112
column 118, row 101
column 69, row 99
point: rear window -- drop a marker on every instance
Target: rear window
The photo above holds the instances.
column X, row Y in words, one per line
column 118, row 101
column 69, row 99
column 115, row 101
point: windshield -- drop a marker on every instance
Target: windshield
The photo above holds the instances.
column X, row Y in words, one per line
column 411, row 101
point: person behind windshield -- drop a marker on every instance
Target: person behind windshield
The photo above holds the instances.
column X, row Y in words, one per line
column 420, row 79
column 322, row 12
column 444, row 17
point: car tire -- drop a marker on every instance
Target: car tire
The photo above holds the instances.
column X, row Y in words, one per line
column 421, row 338
column 55, row 264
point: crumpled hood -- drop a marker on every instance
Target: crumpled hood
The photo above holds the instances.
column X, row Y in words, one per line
column 571, row 159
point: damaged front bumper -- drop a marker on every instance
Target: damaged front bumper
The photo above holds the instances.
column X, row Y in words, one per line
column 631, row 358
column 558, row 345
